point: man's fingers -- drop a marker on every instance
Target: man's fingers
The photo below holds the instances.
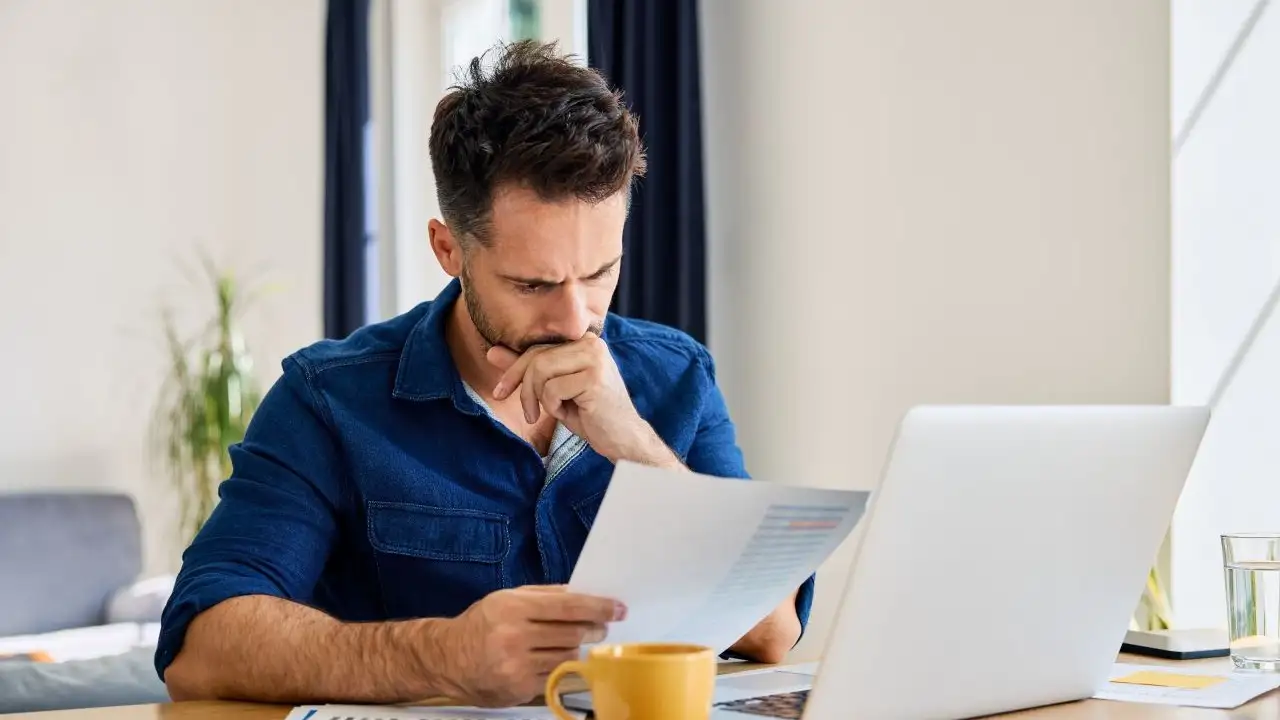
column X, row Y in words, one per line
column 512, row 376
column 574, row 355
column 529, row 395
column 563, row 389
column 559, row 390
column 544, row 661
column 564, row 635
column 501, row 357
column 556, row 364
column 573, row 607
column 564, row 360
column 545, row 588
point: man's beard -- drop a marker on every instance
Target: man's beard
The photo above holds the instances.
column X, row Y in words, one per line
column 492, row 335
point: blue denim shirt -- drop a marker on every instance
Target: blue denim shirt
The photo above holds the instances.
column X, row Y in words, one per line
column 372, row 486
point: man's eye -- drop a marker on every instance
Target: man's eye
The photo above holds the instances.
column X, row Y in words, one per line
column 527, row 289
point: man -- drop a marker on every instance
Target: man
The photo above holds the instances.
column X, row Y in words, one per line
column 409, row 502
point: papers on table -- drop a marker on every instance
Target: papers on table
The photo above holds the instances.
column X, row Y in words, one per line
column 1185, row 685
column 701, row 559
column 390, row 712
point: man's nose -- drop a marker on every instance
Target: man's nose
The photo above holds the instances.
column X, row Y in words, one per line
column 570, row 317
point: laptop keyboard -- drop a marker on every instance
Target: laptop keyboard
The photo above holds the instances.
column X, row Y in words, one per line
column 784, row 705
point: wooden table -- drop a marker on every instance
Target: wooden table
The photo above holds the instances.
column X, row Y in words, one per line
column 1266, row 707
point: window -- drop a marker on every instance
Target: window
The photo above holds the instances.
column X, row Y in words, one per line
column 1226, row 279
column 416, row 49
column 523, row 16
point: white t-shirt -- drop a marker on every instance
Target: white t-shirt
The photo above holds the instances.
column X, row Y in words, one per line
column 564, row 447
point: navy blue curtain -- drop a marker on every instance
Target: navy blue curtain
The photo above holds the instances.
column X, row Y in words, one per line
column 346, row 94
column 649, row 49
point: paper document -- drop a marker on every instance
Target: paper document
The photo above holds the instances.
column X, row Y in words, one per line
column 391, row 712
column 701, row 559
column 1185, row 685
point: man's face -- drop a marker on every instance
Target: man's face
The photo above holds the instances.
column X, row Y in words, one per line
column 549, row 271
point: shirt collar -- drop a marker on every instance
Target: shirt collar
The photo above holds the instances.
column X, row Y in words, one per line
column 426, row 370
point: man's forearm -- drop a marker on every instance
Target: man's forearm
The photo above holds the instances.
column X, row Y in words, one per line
column 269, row 649
column 648, row 448
column 773, row 637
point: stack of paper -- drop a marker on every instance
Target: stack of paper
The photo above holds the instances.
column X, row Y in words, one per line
column 1185, row 685
column 390, row 712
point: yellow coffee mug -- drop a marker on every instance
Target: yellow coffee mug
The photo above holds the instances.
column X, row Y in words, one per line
column 642, row 681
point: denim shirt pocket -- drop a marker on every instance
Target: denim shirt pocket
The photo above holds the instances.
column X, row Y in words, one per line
column 436, row 561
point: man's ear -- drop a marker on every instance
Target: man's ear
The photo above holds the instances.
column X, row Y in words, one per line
column 446, row 247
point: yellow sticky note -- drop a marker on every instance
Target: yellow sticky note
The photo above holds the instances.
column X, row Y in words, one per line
column 1166, row 679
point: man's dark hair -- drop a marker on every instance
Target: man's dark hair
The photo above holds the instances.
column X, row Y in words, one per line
column 534, row 119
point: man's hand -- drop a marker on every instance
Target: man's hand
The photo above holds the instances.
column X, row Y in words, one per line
column 501, row 650
column 578, row 383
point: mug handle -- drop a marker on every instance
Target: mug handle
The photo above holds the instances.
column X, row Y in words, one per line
column 552, row 696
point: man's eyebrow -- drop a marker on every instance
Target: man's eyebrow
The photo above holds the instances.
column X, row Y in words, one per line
column 605, row 268
column 543, row 282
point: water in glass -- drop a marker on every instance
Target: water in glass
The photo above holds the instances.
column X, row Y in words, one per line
column 1252, row 568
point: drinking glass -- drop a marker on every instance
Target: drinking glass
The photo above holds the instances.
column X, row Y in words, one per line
column 1251, row 564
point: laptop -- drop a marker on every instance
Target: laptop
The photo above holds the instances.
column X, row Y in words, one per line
column 1000, row 561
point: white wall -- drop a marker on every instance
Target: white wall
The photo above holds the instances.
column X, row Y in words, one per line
column 931, row 202
column 1226, row 245
column 133, row 132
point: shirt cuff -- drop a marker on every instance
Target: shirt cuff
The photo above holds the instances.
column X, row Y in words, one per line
column 804, row 603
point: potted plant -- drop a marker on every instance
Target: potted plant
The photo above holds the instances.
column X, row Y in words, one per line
column 1156, row 613
column 205, row 404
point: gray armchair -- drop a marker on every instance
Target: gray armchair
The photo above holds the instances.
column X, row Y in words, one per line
column 69, row 561
column 63, row 556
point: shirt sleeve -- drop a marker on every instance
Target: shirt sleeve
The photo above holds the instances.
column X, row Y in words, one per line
column 275, row 521
column 715, row 452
